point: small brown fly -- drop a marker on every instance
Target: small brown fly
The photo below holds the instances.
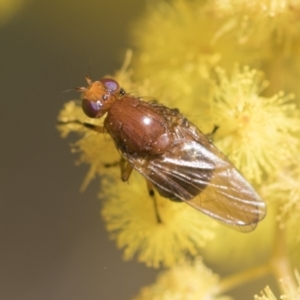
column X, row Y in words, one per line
column 174, row 156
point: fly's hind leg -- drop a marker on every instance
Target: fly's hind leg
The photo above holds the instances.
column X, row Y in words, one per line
column 126, row 170
column 152, row 195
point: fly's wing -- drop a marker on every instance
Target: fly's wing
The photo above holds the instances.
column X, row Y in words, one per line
column 195, row 171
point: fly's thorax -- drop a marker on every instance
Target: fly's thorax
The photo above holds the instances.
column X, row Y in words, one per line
column 137, row 127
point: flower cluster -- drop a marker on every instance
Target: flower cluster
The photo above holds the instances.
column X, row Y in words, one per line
column 289, row 292
column 188, row 280
column 233, row 64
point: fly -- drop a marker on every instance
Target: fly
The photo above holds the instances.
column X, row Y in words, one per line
column 175, row 157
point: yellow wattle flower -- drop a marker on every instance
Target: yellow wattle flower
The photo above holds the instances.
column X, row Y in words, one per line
column 186, row 57
column 187, row 280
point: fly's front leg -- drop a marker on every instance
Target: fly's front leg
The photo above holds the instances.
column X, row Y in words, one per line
column 97, row 128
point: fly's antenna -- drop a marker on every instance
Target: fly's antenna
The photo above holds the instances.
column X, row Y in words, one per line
column 90, row 68
column 69, row 90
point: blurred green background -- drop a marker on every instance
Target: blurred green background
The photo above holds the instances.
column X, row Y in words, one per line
column 53, row 242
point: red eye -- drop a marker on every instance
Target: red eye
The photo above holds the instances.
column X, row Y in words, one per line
column 91, row 108
column 111, row 85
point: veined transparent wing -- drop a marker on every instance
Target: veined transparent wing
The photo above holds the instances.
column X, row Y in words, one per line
column 193, row 170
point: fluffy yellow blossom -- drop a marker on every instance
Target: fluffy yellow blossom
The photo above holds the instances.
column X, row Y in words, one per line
column 272, row 23
column 203, row 34
column 96, row 150
column 186, row 56
column 186, row 281
column 256, row 132
column 179, row 65
column 286, row 187
column 286, row 193
column 129, row 215
column 258, row 122
column 263, row 34
column 289, row 292
column 266, row 294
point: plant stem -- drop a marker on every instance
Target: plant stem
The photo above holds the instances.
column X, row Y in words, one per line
column 233, row 281
column 278, row 266
column 279, row 262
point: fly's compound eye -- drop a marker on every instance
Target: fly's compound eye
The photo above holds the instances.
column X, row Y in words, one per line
column 91, row 108
column 111, row 85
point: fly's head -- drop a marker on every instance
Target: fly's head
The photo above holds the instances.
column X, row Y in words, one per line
column 99, row 96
